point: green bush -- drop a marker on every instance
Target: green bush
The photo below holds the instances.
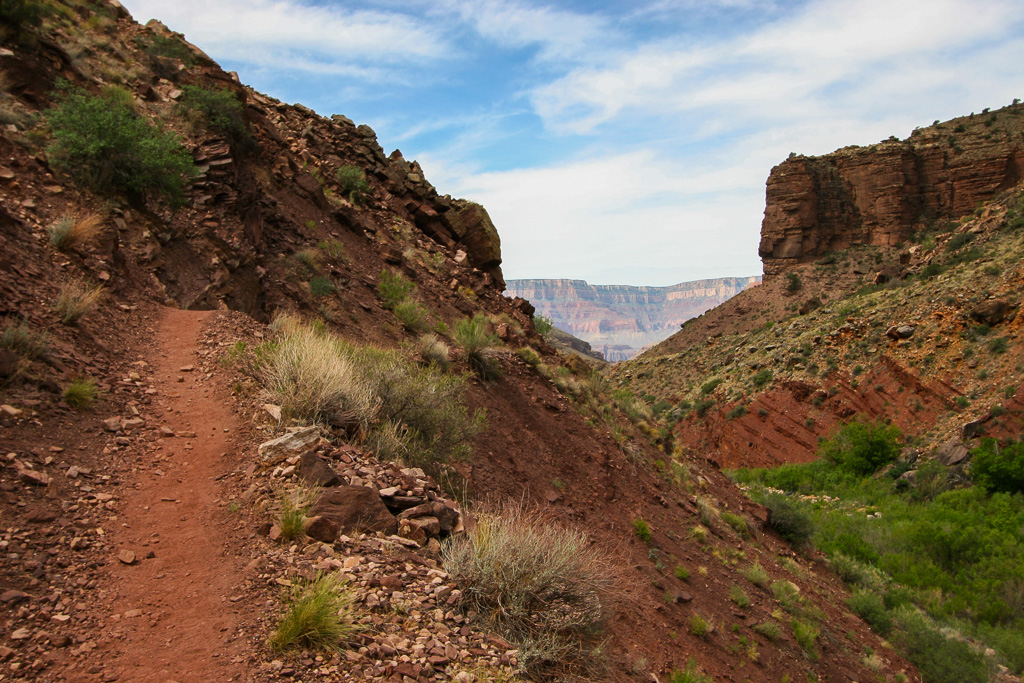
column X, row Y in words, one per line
column 699, row 626
column 806, row 635
column 321, row 286
column 793, row 282
column 544, row 588
column 412, row 315
column 693, row 673
column 757, row 575
column 768, row 629
column 543, row 324
column 642, row 530
column 18, row 15
column 738, row 523
column 938, row 658
column 393, row 288
column 75, row 300
column 170, row 47
column 737, row 595
column 106, row 147
column 25, row 341
column 762, row 377
column 861, row 448
column 870, row 607
column 996, row 468
column 789, row 519
column 320, row 616
column 710, row 385
column 81, row 393
column 353, row 183
column 221, row 110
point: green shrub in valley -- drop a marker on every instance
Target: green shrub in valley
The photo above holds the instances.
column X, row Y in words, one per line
column 221, row 110
column 789, row 519
column 411, row 314
column 25, row 341
column 939, row 658
column 870, row 607
column 996, row 468
column 762, row 377
column 861, row 448
column 108, row 148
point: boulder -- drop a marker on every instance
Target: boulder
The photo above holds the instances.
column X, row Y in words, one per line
column 316, row 472
column 952, row 452
column 900, row 332
column 322, row 529
column 446, row 517
column 355, row 508
column 991, row 312
column 294, row 443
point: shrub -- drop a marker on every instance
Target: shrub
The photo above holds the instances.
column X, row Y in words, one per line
column 475, row 338
column 334, row 249
column 320, row 616
column 321, row 286
column 693, row 673
column 312, row 378
column 806, row 636
column 543, row 324
column 699, row 626
column 81, row 393
column 642, row 530
column 434, row 351
column 870, row 607
column 757, row 575
column 737, row 595
column 710, row 385
column 738, row 411
column 702, row 406
column 76, row 299
column 762, row 377
column 998, row 469
column 545, row 588
column 998, row 346
column 958, row 240
column 221, row 110
column 938, row 658
column 681, row 572
column 411, row 314
column 70, row 232
column 310, row 258
column 24, row 341
column 861, row 448
column 768, row 629
column 21, row 14
column 294, row 508
column 393, row 288
column 171, row 47
column 528, row 356
column 738, row 523
column 106, row 147
column 353, row 182
column 789, row 519
column 793, row 282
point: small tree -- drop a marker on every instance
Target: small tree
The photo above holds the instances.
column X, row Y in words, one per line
column 861, row 448
column 108, row 148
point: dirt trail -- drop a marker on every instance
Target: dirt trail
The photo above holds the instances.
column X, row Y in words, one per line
column 177, row 617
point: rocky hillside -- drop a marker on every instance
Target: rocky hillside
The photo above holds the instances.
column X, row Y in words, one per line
column 250, row 364
column 880, row 195
column 619, row 321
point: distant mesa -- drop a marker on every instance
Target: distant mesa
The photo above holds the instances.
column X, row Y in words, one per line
column 620, row 321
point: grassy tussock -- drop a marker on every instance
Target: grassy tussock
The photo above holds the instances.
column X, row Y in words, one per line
column 477, row 340
column 544, row 588
column 81, row 393
column 320, row 616
column 69, row 232
column 295, row 506
column 25, row 341
column 75, row 300
column 434, row 351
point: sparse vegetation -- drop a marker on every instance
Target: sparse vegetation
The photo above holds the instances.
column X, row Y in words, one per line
column 220, row 110
column 69, row 232
column 757, row 575
column 321, row 285
column 692, row 673
column 768, row 629
column 393, row 288
column 762, row 377
column 793, row 282
column 542, row 324
column 25, row 341
column 476, row 339
column 108, row 148
column 529, row 356
column 806, row 636
column 295, row 505
column 76, row 299
column 320, row 616
column 81, row 393
column 699, row 626
column 642, row 530
column 737, row 595
column 545, row 588
column 352, row 181
column 412, row 315
column 434, row 351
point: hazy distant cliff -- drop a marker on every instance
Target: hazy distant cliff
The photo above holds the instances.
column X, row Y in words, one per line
column 620, row 320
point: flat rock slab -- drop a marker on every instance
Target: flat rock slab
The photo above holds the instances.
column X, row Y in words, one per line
column 290, row 445
column 355, row 508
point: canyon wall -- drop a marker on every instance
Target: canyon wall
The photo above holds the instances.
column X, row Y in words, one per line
column 879, row 195
column 619, row 321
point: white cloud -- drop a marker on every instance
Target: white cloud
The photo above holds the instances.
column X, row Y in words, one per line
column 287, row 34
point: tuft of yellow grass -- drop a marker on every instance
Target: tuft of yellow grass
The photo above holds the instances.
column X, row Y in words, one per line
column 71, row 231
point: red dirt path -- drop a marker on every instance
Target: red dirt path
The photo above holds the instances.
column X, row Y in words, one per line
column 176, row 618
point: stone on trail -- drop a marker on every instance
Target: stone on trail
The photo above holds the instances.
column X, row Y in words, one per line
column 126, row 556
column 290, row 445
column 355, row 508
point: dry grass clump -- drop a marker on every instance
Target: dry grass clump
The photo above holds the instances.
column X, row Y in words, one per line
column 76, row 299
column 81, row 393
column 295, row 506
column 411, row 314
column 25, row 341
column 311, row 376
column 757, row 575
column 320, row 616
column 543, row 587
column 477, row 340
column 434, row 351
column 70, row 232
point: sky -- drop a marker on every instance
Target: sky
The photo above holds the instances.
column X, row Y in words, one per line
column 617, row 141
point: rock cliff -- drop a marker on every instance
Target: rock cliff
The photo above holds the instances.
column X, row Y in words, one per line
column 880, row 195
column 619, row 321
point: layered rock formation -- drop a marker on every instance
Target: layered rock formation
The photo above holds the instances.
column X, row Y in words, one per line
column 619, row 321
column 879, row 195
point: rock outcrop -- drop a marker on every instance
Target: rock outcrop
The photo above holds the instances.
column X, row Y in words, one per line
column 619, row 321
column 879, row 195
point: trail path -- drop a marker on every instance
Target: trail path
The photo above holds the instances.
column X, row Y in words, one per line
column 177, row 617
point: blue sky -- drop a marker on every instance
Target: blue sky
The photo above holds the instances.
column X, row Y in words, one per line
column 618, row 141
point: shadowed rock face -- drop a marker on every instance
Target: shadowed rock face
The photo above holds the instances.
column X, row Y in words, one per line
column 879, row 195
column 621, row 320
